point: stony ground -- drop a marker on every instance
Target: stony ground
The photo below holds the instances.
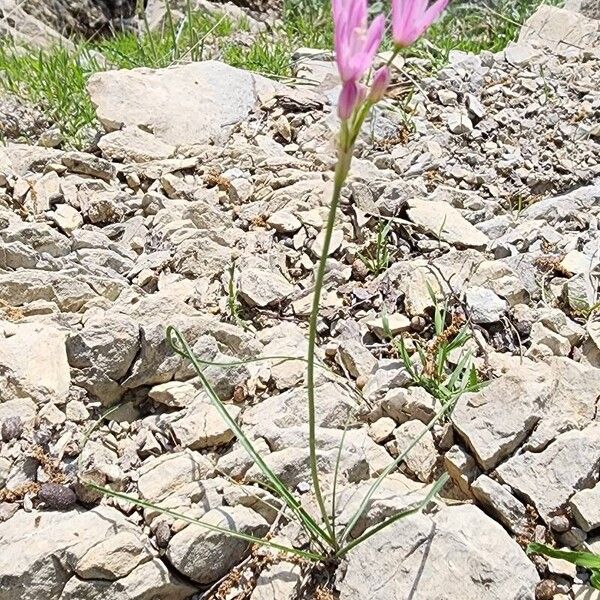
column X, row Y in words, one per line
column 203, row 207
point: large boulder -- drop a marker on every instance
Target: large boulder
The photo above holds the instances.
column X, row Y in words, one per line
column 456, row 553
column 589, row 8
column 81, row 554
column 558, row 29
column 193, row 103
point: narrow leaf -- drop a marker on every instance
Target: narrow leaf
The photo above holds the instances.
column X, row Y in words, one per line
column 581, row 559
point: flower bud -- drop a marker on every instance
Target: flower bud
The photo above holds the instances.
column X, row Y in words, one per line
column 350, row 97
column 381, row 82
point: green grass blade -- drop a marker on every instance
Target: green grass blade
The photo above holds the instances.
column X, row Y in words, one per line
column 176, row 515
column 363, row 506
column 179, row 345
column 401, row 515
column 581, row 559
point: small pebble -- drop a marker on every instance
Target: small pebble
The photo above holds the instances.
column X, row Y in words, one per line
column 545, row 590
column 56, row 496
column 361, row 381
column 418, row 323
column 12, row 428
column 162, row 534
column 560, row 524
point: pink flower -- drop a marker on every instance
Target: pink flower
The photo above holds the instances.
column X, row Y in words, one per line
column 381, row 81
column 411, row 18
column 356, row 44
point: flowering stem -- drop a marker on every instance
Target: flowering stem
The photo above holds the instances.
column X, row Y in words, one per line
column 342, row 169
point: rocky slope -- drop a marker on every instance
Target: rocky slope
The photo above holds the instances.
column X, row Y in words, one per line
column 204, row 209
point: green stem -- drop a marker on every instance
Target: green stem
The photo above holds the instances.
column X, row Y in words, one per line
column 342, row 169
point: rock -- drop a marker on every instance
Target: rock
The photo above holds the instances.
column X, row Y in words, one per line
column 496, row 499
column 57, row 497
column 286, row 339
column 279, row 581
column 33, row 361
column 395, row 494
column 334, row 406
column 409, row 559
column 521, row 55
column 88, row 164
column 114, row 557
column 102, row 353
column 549, row 478
column 289, row 458
column 133, row 144
column 445, row 223
column 421, row 459
column 588, row 8
column 337, row 237
column 263, row 287
column 204, row 555
column 396, row 324
column 497, row 419
column 462, row 468
column 382, row 429
column 150, row 580
column 585, row 506
column 164, row 475
column 143, row 98
column 104, row 207
column 174, row 394
column 484, row 305
column 41, row 237
column 559, row 29
column 46, row 545
column 284, row 221
column 202, row 426
column 459, row 123
column 12, row 426
column 591, row 346
column 412, row 403
column 356, row 358
column 28, row 285
column 67, row 218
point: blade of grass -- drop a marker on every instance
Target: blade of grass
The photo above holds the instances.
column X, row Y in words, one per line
column 581, row 559
column 440, row 483
column 179, row 345
column 176, row 515
column 363, row 506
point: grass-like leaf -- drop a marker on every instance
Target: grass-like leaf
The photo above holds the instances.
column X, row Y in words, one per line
column 180, row 516
column 179, row 345
column 436, row 488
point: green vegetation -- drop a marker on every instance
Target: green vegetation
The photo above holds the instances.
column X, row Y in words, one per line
column 439, row 372
column 55, row 79
column 587, row 560
column 377, row 257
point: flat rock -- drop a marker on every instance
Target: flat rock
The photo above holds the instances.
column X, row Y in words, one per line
column 202, row 426
column 162, row 476
column 456, row 553
column 443, row 221
column 559, row 29
column 133, row 144
column 263, row 287
column 498, row 501
column 549, row 478
column 212, row 95
column 497, row 419
column 585, row 506
column 33, row 362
